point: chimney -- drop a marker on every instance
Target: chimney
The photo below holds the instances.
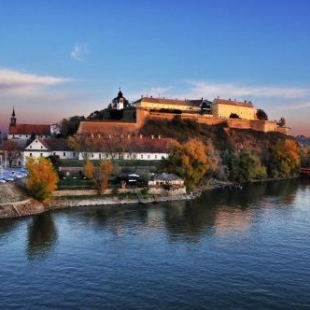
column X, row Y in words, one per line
column 152, row 136
column 159, row 136
column 128, row 136
column 141, row 136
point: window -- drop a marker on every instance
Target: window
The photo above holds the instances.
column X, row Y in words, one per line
column 41, row 154
column 30, row 154
column 148, row 156
column 54, row 153
column 141, row 156
column 64, row 154
column 155, row 156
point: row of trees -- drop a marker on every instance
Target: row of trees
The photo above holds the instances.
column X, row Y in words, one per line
column 43, row 178
column 194, row 160
column 191, row 161
column 100, row 174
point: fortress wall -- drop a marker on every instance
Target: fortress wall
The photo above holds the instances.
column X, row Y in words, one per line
column 143, row 115
column 259, row 125
column 239, row 123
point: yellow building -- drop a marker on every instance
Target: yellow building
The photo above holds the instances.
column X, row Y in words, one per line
column 150, row 103
column 223, row 108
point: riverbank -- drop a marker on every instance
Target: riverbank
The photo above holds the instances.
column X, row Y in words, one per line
column 15, row 202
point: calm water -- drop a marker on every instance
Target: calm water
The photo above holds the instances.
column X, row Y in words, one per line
column 231, row 249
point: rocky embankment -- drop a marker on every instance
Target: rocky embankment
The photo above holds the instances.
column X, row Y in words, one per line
column 14, row 202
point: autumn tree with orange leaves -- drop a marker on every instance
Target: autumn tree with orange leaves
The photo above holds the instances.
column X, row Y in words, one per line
column 190, row 161
column 42, row 178
column 284, row 159
column 103, row 173
column 89, row 169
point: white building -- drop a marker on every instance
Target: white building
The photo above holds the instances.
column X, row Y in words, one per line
column 49, row 147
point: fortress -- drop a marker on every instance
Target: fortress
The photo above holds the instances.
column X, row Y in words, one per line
column 121, row 117
column 118, row 129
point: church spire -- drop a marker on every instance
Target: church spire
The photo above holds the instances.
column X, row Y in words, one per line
column 13, row 119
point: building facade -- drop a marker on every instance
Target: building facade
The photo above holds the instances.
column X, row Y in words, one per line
column 223, row 108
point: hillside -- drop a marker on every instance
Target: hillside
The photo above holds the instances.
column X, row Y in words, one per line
column 223, row 138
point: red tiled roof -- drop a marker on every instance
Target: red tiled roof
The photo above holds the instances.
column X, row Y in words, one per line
column 13, row 144
column 116, row 144
column 134, row 145
column 29, row 129
column 233, row 102
column 89, row 127
column 55, row 144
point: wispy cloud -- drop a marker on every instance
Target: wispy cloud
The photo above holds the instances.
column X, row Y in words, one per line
column 230, row 90
column 79, row 51
column 297, row 106
column 192, row 89
column 10, row 79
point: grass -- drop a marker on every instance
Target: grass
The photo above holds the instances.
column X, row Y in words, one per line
column 71, row 183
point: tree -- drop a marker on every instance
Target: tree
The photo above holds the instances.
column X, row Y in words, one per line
column 304, row 154
column 284, row 159
column 261, row 115
column 189, row 161
column 105, row 169
column 55, row 160
column 243, row 167
column 42, row 178
column 70, row 126
column 281, row 122
column 89, row 169
column 85, row 144
column 250, row 167
column 12, row 151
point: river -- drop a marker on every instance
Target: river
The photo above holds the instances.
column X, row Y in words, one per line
column 229, row 249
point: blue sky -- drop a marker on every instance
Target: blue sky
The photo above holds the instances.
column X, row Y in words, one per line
column 62, row 58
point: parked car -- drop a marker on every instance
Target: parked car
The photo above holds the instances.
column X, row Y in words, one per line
column 9, row 179
column 19, row 175
column 2, row 181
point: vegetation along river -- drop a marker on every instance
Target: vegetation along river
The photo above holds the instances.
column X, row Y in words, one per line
column 229, row 249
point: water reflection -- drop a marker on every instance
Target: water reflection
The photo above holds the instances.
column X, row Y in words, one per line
column 42, row 235
column 6, row 227
column 219, row 212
